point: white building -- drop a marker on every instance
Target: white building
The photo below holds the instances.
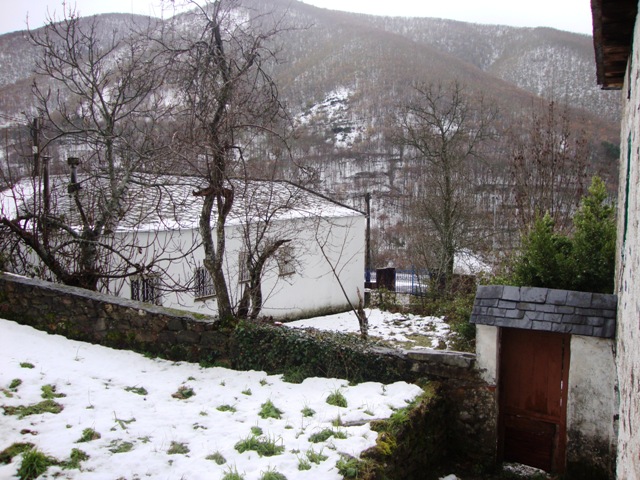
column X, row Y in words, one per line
column 320, row 264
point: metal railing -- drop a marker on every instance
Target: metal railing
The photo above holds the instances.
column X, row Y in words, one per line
column 411, row 281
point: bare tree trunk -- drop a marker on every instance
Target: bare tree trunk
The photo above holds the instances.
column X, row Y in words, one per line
column 444, row 129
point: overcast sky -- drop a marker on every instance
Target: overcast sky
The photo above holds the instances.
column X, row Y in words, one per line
column 571, row 15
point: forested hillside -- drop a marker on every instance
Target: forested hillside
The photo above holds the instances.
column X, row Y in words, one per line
column 345, row 78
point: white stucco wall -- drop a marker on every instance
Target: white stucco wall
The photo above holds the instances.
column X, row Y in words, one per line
column 312, row 288
column 592, row 400
column 487, row 342
column 592, row 395
column 628, row 274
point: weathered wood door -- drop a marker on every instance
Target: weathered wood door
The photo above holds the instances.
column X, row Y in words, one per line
column 534, row 369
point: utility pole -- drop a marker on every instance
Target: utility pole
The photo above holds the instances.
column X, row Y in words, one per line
column 367, row 261
column 6, row 156
column 35, row 146
column 41, row 170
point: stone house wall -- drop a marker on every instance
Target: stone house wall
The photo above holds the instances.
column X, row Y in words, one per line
column 627, row 267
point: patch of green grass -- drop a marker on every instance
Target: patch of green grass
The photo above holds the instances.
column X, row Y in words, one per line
column 269, row 410
column 337, row 422
column 265, row 447
column 419, row 340
column 26, row 365
column 183, row 393
column 263, row 382
column 137, row 390
column 226, row 408
column 247, row 392
column 324, row 435
column 232, row 474
column 34, row 463
column 350, row 467
column 88, row 435
column 178, row 448
column 217, row 457
column 6, row 455
column 46, row 406
column 75, row 458
column 315, row 457
column 49, row 392
column 402, row 416
column 308, row 412
column 257, row 431
column 304, row 464
column 118, row 446
column 272, row 474
column 337, row 399
column 123, row 423
column 15, row 383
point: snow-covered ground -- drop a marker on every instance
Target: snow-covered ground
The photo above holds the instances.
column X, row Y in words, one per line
column 145, row 428
column 400, row 329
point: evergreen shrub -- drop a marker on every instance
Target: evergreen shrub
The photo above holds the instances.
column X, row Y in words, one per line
column 584, row 261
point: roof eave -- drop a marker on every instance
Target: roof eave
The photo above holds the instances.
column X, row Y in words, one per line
column 613, row 25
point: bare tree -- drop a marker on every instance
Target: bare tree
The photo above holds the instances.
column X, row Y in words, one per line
column 98, row 98
column 548, row 167
column 221, row 78
column 443, row 131
column 264, row 236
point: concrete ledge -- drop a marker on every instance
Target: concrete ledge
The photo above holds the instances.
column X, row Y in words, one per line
column 443, row 357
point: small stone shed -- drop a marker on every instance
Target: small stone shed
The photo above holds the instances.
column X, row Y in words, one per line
column 550, row 355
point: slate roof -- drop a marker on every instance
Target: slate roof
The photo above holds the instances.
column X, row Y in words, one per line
column 545, row 309
column 168, row 202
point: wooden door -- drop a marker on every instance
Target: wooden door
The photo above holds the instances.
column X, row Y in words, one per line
column 534, row 369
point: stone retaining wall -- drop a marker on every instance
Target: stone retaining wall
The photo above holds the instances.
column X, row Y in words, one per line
column 112, row 321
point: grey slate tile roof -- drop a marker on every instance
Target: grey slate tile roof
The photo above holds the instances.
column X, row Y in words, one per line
column 532, row 308
column 168, row 202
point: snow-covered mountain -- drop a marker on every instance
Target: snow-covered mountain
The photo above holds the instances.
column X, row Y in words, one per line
column 344, row 77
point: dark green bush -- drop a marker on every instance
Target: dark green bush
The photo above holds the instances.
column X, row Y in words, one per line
column 311, row 353
column 456, row 311
column 34, row 463
column 594, row 241
column 545, row 258
column 584, row 261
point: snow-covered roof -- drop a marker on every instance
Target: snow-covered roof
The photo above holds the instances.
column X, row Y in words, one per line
column 169, row 202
